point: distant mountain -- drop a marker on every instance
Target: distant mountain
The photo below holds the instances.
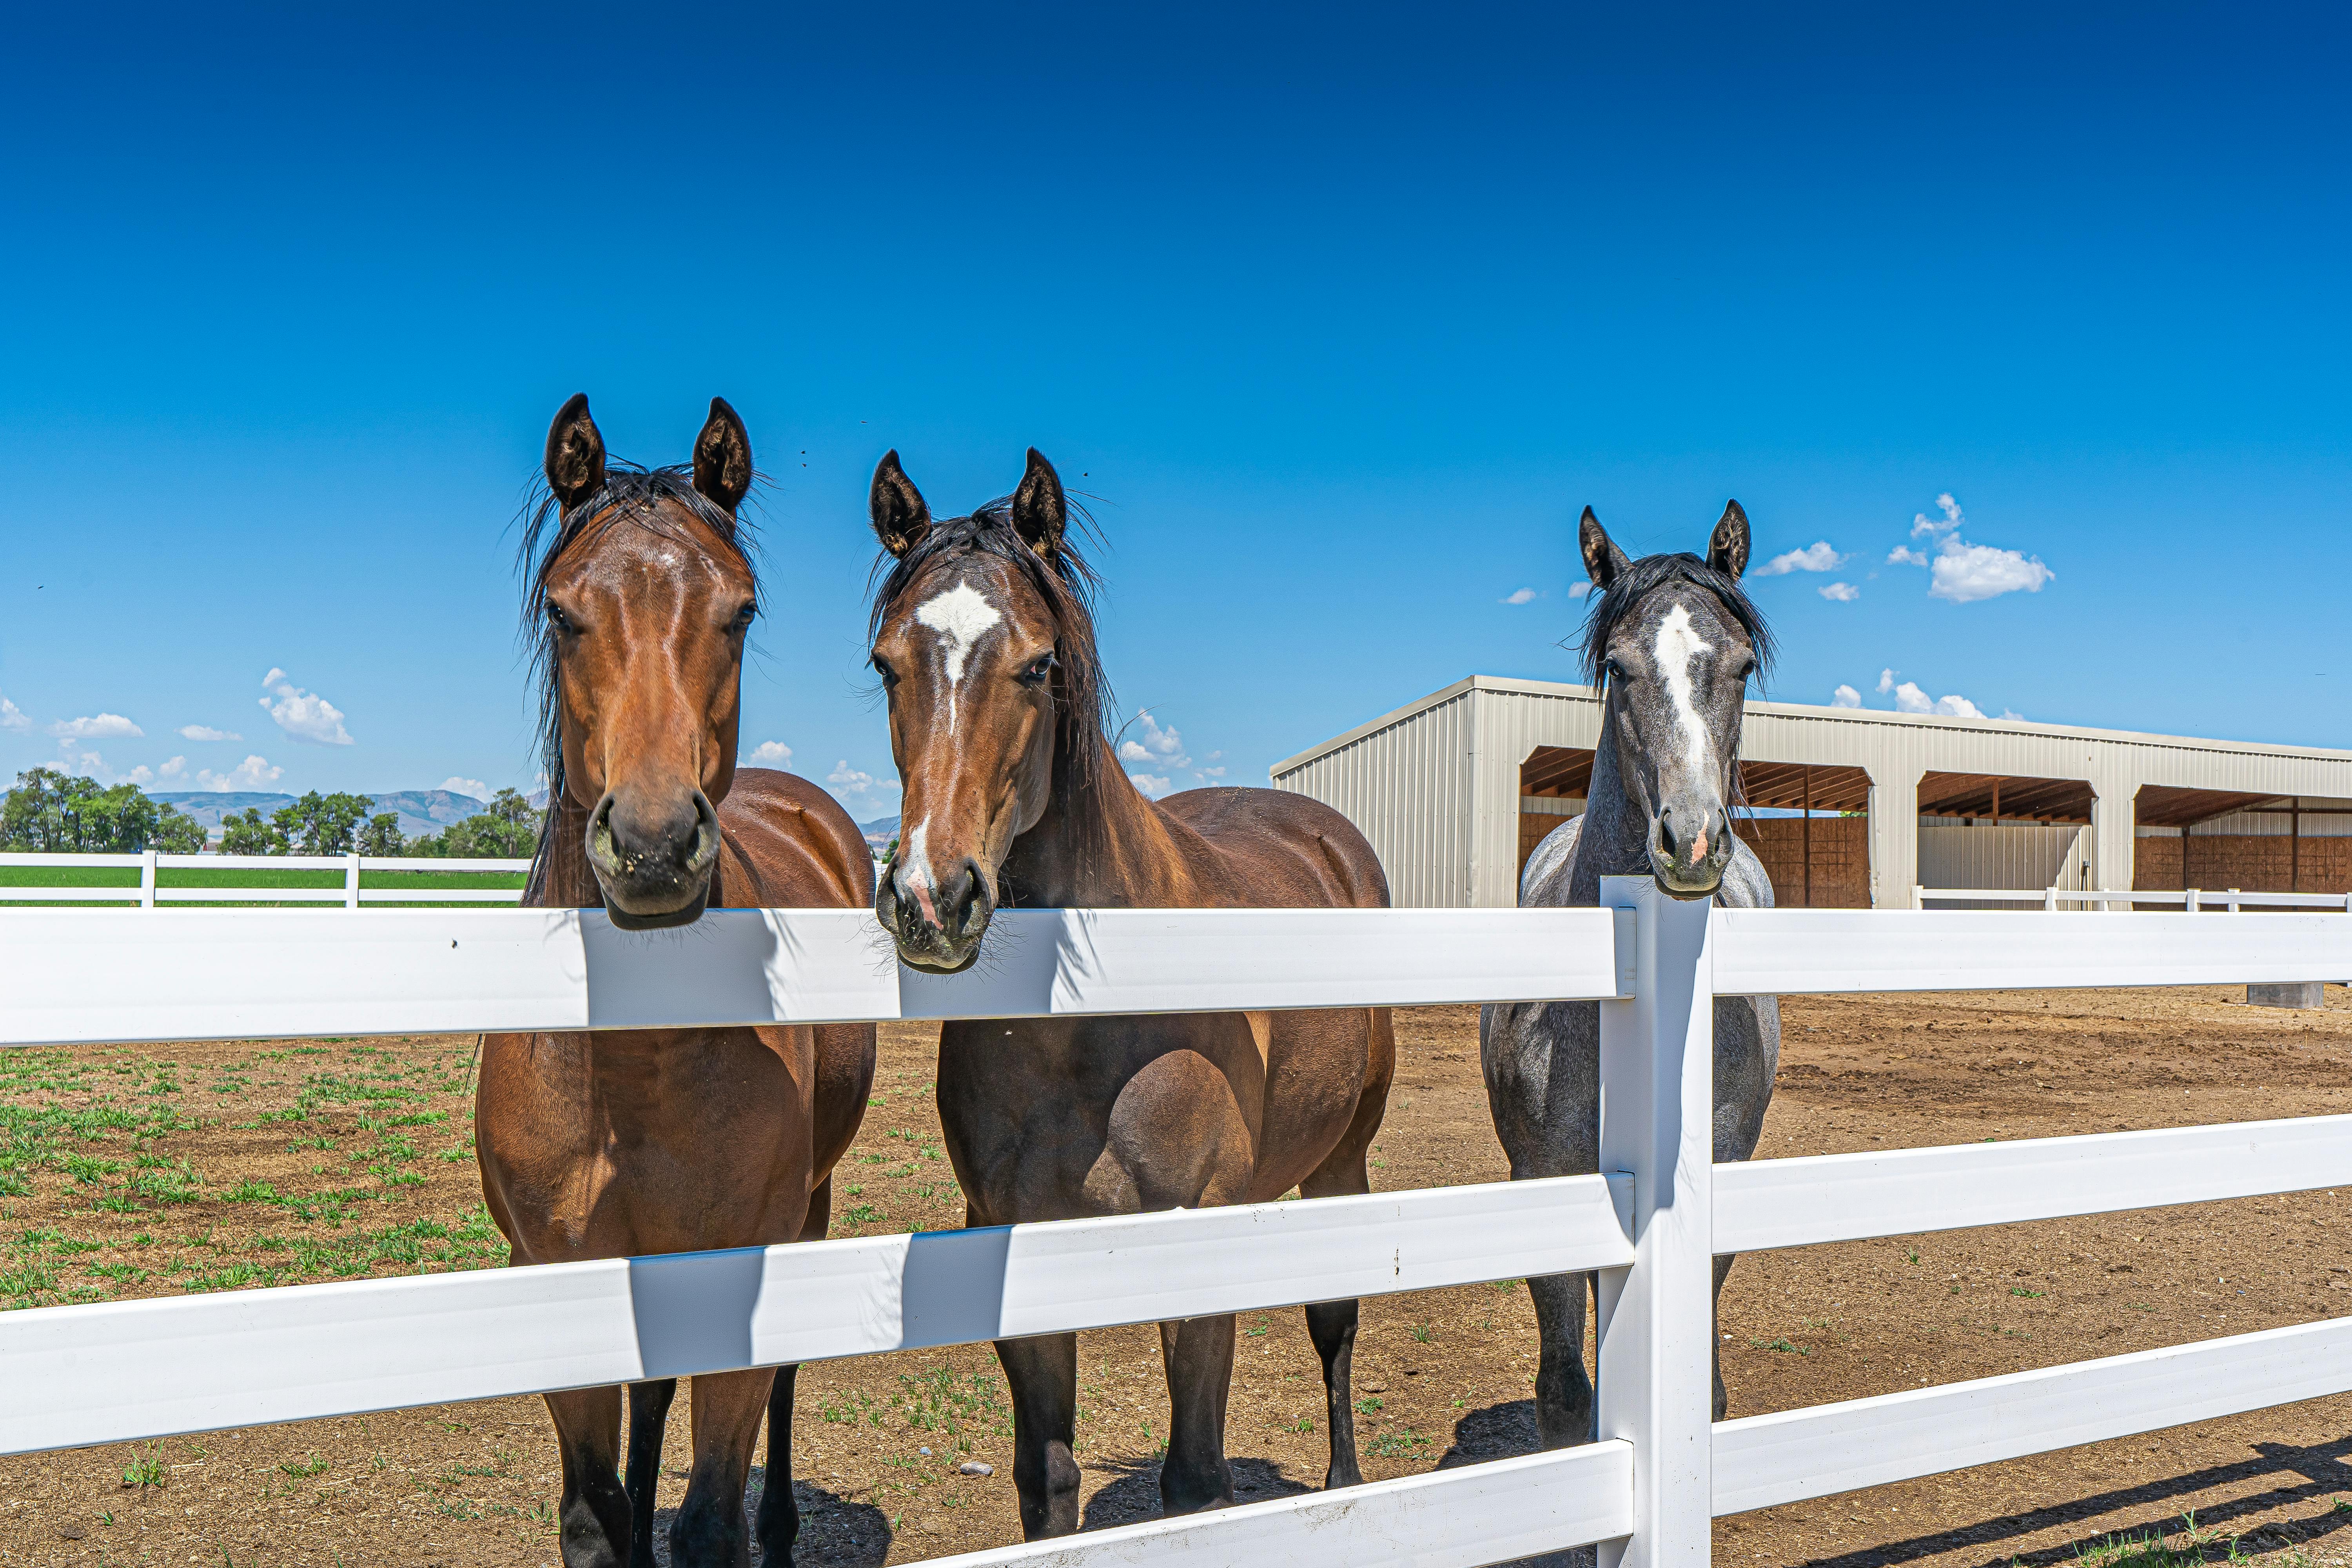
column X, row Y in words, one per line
column 420, row 810
column 880, row 831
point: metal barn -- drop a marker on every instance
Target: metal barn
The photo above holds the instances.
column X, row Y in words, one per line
column 1855, row 806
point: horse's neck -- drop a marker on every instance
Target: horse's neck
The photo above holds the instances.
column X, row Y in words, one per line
column 1616, row 839
column 1107, row 847
column 566, row 882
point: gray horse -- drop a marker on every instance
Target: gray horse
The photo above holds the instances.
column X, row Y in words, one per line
column 1672, row 641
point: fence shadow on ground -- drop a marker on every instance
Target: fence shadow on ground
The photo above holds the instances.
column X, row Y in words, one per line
column 2324, row 1470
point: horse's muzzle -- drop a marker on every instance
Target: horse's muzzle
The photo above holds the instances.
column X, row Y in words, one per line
column 937, row 923
column 653, row 860
column 1690, row 847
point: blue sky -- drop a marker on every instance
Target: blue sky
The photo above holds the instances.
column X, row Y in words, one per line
column 1342, row 315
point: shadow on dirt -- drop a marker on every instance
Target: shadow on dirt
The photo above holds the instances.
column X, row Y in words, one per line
column 1134, row 1497
column 835, row 1532
column 2312, row 1477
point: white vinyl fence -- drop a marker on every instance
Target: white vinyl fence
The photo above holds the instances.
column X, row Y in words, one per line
column 350, row 895
column 2191, row 900
column 1646, row 1490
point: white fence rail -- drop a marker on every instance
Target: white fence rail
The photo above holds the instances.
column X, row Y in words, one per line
column 97, row 1373
column 2192, row 899
column 350, row 895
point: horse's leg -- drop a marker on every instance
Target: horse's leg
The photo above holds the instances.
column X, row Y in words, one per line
column 595, row 1515
column 1042, row 1374
column 1563, row 1391
column 648, row 1415
column 1332, row 1324
column 1715, row 1334
column 710, row 1530
column 779, row 1524
column 1200, row 1355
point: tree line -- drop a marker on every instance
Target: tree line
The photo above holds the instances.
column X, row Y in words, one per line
column 53, row 812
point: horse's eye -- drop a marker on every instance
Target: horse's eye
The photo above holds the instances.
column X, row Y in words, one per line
column 882, row 667
column 1039, row 669
column 744, row 617
column 556, row 618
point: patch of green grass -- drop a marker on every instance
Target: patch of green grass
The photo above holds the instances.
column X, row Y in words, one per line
column 2189, row 1547
column 2029, row 1295
column 1782, row 1345
column 1403, row 1443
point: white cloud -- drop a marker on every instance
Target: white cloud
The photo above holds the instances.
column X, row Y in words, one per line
column 13, row 717
column 1885, row 681
column 1841, row 593
column 1154, row 744
column 1962, row 573
column 1520, row 597
column 1909, row 698
column 1845, row 696
column 172, row 768
column 1815, row 557
column 1925, row 527
column 142, row 776
column 856, row 781
column 1153, row 784
column 96, row 726
column 1216, row 773
column 1965, row 573
column 1578, row 590
column 303, row 715
column 771, row 754
column 473, row 787
column 206, row 732
column 252, row 774
column 2011, row 714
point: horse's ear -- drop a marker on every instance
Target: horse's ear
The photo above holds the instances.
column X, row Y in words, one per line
column 576, row 453
column 722, row 456
column 1602, row 560
column 897, row 507
column 1726, row 552
column 1039, row 513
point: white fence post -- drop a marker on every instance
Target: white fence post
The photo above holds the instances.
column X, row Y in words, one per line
column 147, row 879
column 1656, row 1328
column 2050, row 901
column 2188, row 900
column 351, row 881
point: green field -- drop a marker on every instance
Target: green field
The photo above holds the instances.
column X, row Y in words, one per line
column 329, row 875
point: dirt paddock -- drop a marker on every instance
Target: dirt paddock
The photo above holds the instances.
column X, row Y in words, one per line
column 135, row 1172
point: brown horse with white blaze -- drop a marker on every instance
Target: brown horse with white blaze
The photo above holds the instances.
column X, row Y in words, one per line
column 985, row 640
column 615, row 1143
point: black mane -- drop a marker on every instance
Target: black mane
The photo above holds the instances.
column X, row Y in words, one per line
column 629, row 494
column 1612, row 606
column 1067, row 585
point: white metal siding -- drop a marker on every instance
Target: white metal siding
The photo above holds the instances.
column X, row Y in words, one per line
column 1406, row 786
column 1434, row 786
column 1956, row 854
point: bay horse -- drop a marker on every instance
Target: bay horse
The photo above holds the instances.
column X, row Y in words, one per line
column 984, row 638
column 640, row 591
column 1672, row 641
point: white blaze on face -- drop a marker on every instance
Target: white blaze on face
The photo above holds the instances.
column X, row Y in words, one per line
column 962, row 617
column 1676, row 649
column 915, row 869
